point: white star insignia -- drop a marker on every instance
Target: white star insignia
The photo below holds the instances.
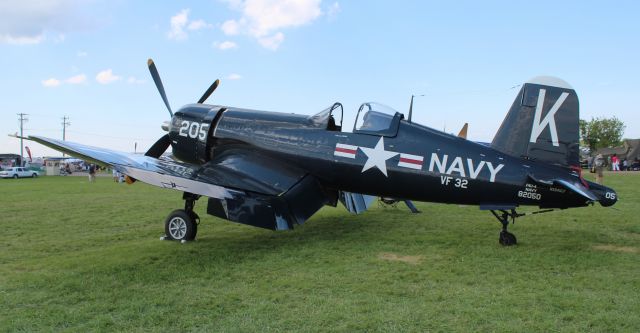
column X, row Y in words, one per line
column 377, row 157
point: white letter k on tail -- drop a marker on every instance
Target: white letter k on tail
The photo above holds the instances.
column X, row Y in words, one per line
column 539, row 126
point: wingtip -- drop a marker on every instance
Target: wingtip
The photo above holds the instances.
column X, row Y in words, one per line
column 463, row 131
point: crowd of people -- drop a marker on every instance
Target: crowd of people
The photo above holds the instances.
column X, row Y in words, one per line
column 613, row 163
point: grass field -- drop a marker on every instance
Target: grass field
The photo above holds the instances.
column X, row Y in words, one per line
column 84, row 257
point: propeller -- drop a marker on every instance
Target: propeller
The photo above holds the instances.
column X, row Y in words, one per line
column 160, row 146
column 156, row 78
column 209, row 91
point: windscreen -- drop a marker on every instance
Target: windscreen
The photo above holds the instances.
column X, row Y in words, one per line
column 374, row 117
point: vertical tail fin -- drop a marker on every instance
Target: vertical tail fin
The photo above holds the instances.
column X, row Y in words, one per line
column 542, row 124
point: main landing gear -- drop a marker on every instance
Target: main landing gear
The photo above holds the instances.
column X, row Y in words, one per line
column 182, row 224
column 506, row 238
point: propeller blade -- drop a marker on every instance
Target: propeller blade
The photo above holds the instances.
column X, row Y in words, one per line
column 209, row 91
column 159, row 147
column 156, row 78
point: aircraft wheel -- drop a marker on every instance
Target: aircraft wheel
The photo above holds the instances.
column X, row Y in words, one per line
column 180, row 226
column 507, row 238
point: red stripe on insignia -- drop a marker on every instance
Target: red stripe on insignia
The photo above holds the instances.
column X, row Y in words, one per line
column 412, row 161
column 344, row 150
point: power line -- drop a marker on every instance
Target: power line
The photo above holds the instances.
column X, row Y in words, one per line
column 22, row 120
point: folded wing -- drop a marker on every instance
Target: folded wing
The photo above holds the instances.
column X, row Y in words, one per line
column 243, row 185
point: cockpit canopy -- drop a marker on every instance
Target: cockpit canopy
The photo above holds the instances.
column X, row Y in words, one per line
column 327, row 118
column 377, row 119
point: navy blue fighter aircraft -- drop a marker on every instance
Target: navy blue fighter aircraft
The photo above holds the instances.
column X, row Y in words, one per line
column 275, row 170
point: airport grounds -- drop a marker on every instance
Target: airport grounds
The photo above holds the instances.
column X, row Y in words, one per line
column 83, row 257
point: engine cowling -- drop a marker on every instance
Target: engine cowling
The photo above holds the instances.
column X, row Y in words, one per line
column 191, row 132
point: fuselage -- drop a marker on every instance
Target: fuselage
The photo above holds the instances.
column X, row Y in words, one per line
column 405, row 161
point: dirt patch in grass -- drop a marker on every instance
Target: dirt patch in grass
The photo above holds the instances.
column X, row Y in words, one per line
column 413, row 260
column 614, row 248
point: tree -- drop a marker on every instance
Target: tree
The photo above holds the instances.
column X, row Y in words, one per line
column 601, row 132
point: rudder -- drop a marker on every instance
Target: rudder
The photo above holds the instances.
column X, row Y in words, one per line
column 542, row 124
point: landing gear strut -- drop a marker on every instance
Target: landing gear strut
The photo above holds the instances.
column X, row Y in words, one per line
column 182, row 224
column 506, row 238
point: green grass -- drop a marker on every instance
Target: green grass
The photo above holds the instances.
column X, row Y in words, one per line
column 84, row 257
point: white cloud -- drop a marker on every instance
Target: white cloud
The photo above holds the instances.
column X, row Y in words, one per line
column 234, row 76
column 134, row 80
column 272, row 42
column 50, row 83
column 106, row 77
column 77, row 79
column 59, row 39
column 28, row 22
column 263, row 19
column 231, row 27
column 266, row 16
column 180, row 22
column 198, row 24
column 333, row 10
column 82, row 54
column 53, row 82
column 21, row 40
column 234, row 4
column 226, row 45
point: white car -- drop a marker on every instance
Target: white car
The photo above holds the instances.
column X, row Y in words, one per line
column 17, row 172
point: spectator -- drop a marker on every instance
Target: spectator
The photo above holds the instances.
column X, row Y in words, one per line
column 600, row 163
column 615, row 163
column 92, row 173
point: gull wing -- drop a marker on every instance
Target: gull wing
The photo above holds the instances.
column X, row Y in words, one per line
column 243, row 185
column 228, row 176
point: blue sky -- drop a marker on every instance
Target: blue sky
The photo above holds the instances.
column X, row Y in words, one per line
column 86, row 59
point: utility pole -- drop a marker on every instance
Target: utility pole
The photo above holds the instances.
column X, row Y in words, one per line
column 22, row 120
column 65, row 123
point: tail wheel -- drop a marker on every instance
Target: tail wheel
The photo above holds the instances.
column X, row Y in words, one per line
column 181, row 226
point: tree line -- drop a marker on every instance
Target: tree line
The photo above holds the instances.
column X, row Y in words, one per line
column 601, row 132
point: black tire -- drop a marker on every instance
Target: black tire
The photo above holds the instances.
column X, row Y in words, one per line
column 388, row 201
column 35, row 175
column 507, row 239
column 180, row 226
column 15, row 176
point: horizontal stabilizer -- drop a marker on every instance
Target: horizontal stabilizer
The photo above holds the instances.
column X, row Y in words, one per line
column 576, row 188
